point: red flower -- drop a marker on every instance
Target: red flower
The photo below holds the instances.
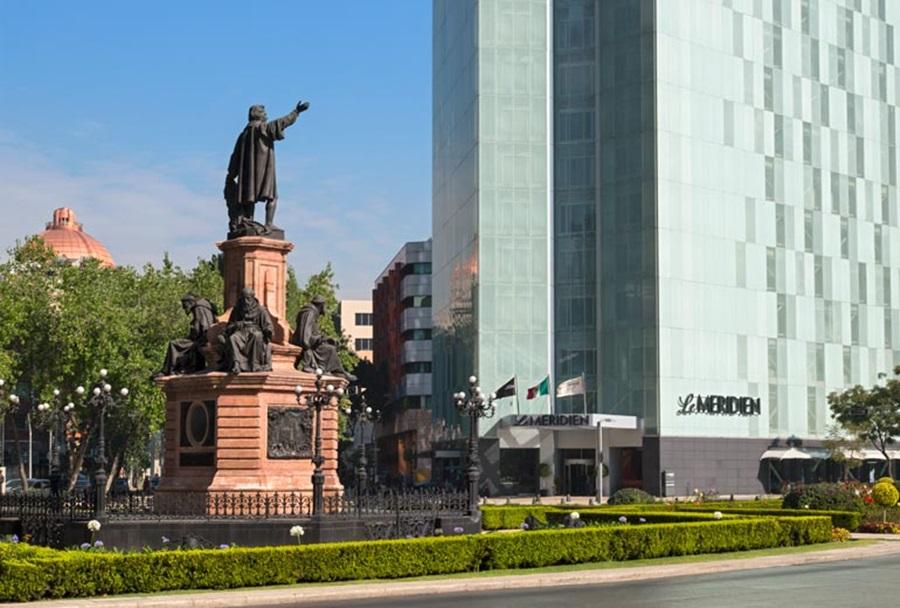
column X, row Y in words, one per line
column 868, row 500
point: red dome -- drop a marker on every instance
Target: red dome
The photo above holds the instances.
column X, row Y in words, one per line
column 65, row 236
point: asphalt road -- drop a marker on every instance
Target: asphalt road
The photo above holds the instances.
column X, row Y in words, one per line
column 841, row 584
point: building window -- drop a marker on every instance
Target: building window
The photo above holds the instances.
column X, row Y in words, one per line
column 363, row 318
column 363, row 344
column 417, row 334
column 417, row 268
column 417, row 302
column 417, row 367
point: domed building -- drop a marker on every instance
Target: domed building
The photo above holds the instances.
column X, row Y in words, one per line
column 67, row 238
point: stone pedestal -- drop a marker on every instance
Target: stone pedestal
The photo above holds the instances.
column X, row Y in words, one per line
column 246, row 432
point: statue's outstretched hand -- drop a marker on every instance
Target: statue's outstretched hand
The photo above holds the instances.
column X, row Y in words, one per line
column 302, row 106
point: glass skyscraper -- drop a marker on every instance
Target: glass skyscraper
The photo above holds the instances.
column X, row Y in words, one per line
column 678, row 199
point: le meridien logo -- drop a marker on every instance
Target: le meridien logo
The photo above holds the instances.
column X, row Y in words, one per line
column 719, row 405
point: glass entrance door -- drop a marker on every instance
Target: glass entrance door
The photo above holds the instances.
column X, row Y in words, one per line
column 578, row 477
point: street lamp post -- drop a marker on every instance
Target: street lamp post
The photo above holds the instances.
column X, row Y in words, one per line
column 102, row 400
column 320, row 399
column 8, row 402
column 54, row 418
column 474, row 405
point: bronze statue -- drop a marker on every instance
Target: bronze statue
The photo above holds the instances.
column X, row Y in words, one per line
column 184, row 355
column 247, row 336
column 319, row 352
column 251, row 173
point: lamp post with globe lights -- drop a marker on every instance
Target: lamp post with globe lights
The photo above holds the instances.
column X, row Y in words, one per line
column 321, row 398
column 474, row 404
column 9, row 402
column 362, row 431
column 54, row 418
column 101, row 400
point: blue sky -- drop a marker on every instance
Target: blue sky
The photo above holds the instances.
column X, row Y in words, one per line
column 127, row 112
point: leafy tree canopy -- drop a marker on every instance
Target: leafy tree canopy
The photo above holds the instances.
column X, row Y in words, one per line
column 871, row 415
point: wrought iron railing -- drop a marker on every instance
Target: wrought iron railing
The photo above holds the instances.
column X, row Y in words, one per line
column 81, row 505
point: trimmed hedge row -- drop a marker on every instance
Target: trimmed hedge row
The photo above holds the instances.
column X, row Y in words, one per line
column 849, row 520
column 511, row 517
column 83, row 574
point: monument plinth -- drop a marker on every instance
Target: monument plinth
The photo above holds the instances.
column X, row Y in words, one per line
column 228, row 432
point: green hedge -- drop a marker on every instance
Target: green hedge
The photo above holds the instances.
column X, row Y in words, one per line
column 839, row 519
column 83, row 574
column 603, row 516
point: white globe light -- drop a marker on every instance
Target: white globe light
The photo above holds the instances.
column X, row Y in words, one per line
column 330, row 388
column 43, row 407
column 70, row 406
column 368, row 410
column 107, row 388
column 124, row 392
column 96, row 390
column 56, row 392
column 298, row 390
column 103, row 373
column 472, row 379
column 14, row 399
column 340, row 391
column 79, row 390
column 319, row 371
column 2, row 382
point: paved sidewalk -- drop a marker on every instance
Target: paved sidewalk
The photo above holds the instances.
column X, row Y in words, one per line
column 324, row 593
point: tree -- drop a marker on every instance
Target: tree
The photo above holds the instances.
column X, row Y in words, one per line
column 871, row 415
column 62, row 323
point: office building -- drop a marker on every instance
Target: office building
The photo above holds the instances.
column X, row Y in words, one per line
column 356, row 323
column 690, row 205
column 402, row 347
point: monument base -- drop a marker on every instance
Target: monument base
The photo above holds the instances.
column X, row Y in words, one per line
column 246, row 433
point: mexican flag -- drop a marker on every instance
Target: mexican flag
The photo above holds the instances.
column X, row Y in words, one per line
column 541, row 389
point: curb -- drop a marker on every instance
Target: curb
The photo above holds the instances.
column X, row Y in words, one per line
column 308, row 594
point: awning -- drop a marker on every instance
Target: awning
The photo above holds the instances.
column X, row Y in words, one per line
column 795, row 454
column 785, row 454
column 864, row 454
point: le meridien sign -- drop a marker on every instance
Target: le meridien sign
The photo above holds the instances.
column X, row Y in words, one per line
column 719, row 405
column 570, row 421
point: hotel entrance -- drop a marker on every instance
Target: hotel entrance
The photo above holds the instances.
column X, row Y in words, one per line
column 578, row 476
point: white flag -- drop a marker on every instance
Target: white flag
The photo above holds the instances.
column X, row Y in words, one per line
column 573, row 386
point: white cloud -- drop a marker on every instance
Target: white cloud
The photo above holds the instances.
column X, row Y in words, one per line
column 139, row 212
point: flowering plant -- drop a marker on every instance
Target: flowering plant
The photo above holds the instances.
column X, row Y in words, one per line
column 297, row 532
column 94, row 525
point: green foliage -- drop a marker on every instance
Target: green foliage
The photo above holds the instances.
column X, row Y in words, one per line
column 320, row 284
column 843, row 519
column 840, row 535
column 630, row 496
column 871, row 415
column 885, row 494
column 84, row 574
column 65, row 322
column 827, row 496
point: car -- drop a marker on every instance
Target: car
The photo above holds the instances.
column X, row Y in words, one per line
column 34, row 485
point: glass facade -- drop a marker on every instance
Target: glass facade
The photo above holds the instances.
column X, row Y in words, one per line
column 724, row 198
column 490, row 209
column 777, row 199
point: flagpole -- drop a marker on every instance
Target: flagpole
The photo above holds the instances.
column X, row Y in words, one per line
column 516, row 385
column 584, row 392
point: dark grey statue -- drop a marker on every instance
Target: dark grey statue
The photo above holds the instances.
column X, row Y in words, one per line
column 185, row 355
column 319, row 352
column 247, row 336
column 251, row 173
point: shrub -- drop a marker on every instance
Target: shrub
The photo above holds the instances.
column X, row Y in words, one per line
column 83, row 574
column 840, row 535
column 824, row 496
column 606, row 516
column 511, row 517
column 631, row 496
column 877, row 527
column 840, row 519
column 885, row 494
